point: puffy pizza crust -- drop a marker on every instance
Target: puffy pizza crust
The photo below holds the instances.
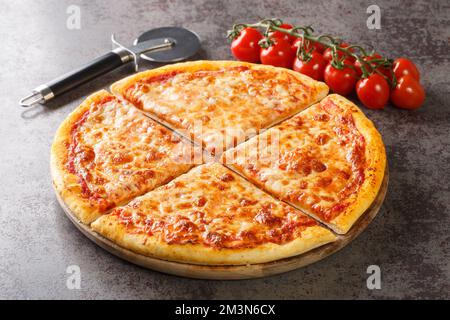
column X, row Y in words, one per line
column 124, row 233
column 209, row 65
column 67, row 184
column 375, row 168
column 112, row 229
column 185, row 122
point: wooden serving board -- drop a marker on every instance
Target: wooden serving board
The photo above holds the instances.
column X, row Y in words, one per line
column 250, row 271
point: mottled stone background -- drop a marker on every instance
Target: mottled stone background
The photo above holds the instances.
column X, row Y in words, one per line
column 409, row 239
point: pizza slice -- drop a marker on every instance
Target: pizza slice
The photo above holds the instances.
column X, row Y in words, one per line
column 220, row 103
column 328, row 160
column 106, row 152
column 212, row 216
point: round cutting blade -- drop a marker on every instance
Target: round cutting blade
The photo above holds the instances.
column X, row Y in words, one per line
column 187, row 43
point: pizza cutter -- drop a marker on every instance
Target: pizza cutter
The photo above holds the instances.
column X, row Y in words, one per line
column 165, row 45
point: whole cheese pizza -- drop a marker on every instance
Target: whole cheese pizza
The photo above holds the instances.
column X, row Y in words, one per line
column 220, row 104
column 143, row 167
column 210, row 215
column 328, row 161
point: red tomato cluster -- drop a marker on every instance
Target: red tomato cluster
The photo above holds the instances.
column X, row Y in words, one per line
column 373, row 91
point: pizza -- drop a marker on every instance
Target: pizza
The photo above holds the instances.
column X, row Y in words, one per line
column 210, row 215
column 106, row 152
column 327, row 161
column 220, row 104
column 217, row 163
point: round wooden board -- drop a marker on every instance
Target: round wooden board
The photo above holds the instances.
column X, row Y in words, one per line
column 239, row 271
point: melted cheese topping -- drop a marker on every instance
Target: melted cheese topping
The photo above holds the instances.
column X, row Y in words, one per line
column 118, row 153
column 211, row 205
column 315, row 160
column 222, row 107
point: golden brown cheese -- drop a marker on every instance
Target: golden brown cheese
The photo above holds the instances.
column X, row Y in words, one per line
column 210, row 208
column 213, row 206
column 317, row 160
column 113, row 153
column 220, row 103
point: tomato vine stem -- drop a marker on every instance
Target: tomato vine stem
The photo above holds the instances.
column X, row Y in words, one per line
column 328, row 41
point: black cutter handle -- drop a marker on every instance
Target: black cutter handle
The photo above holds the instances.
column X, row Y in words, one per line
column 92, row 70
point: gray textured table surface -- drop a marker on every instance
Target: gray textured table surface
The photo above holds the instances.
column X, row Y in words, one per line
column 409, row 239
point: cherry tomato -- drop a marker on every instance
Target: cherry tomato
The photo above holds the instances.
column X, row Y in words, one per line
column 341, row 81
column 245, row 47
column 281, row 35
column 314, row 68
column 366, row 59
column 405, row 67
column 279, row 54
column 408, row 93
column 328, row 53
column 349, row 61
column 373, row 91
column 310, row 45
